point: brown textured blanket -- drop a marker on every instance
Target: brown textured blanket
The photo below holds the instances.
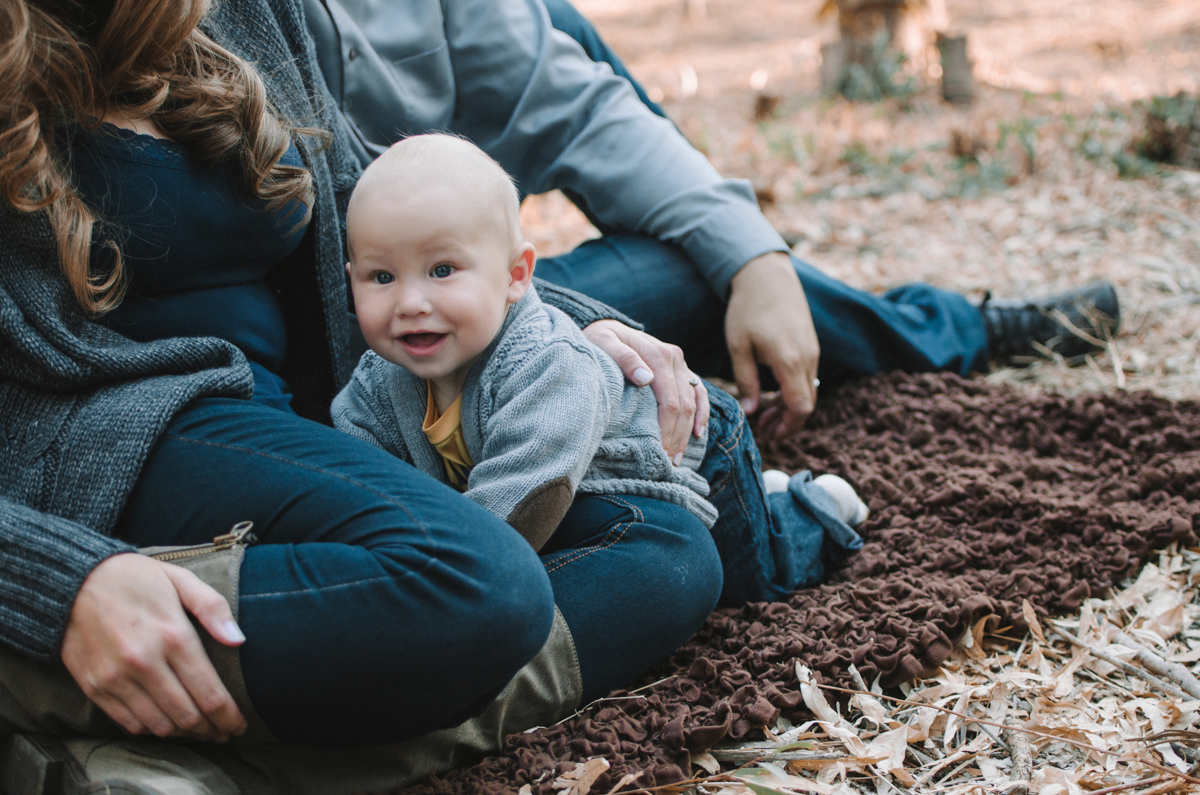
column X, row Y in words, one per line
column 980, row 497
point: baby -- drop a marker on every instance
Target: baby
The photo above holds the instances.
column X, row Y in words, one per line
column 475, row 381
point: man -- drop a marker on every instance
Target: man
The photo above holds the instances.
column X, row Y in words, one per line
column 685, row 251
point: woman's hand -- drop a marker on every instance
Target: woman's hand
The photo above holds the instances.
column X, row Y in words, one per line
column 682, row 398
column 131, row 648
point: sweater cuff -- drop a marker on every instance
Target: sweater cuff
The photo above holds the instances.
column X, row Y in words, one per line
column 581, row 309
column 44, row 560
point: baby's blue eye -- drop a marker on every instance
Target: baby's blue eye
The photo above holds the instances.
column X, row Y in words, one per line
column 443, row 270
column 383, row 277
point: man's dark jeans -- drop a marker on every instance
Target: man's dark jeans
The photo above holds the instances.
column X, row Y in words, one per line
column 916, row 327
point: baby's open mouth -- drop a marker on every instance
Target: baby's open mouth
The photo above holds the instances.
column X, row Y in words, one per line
column 421, row 340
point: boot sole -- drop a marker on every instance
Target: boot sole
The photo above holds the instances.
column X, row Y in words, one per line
column 39, row 765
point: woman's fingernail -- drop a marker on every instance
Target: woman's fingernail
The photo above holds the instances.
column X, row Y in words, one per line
column 703, row 430
column 747, row 405
column 678, row 459
column 233, row 633
column 642, row 376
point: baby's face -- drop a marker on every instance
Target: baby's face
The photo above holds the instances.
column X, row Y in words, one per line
column 431, row 276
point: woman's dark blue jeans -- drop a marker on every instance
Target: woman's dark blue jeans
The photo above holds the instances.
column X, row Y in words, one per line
column 380, row 604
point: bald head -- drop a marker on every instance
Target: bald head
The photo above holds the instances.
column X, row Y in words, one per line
column 451, row 163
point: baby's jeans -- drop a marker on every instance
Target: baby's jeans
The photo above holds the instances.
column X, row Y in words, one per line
column 770, row 545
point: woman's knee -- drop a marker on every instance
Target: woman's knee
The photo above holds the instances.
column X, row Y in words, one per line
column 385, row 642
column 494, row 598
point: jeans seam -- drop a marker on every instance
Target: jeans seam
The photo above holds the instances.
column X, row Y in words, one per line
column 582, row 553
column 321, row 589
column 383, row 495
column 734, row 443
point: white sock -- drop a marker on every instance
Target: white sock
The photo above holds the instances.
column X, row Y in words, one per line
column 852, row 510
column 775, row 480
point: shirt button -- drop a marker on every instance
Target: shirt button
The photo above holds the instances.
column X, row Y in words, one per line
column 353, row 54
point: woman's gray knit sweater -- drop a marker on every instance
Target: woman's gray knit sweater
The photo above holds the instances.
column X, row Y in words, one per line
column 81, row 406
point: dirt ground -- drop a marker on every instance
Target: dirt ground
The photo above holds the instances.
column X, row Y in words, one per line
column 879, row 194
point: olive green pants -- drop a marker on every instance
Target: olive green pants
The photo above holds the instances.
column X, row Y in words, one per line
column 52, row 730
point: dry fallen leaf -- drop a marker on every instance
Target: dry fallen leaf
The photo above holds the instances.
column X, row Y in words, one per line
column 1031, row 618
column 579, row 780
column 707, row 762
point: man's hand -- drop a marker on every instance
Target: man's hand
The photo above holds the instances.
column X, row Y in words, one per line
column 131, row 648
column 768, row 322
column 682, row 404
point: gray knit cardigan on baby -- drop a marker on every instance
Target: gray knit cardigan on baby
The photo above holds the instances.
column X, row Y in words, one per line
column 81, row 406
column 544, row 414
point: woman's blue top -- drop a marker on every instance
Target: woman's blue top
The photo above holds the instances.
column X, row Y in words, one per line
column 195, row 248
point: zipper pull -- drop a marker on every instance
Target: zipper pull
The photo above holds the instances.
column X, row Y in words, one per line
column 238, row 534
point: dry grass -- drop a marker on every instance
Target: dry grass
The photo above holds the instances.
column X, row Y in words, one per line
column 1018, row 193
column 1005, row 715
column 1008, row 714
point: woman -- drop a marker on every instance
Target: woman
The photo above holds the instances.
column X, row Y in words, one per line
column 174, row 327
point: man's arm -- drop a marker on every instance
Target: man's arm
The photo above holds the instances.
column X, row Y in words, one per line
column 530, row 97
column 500, row 74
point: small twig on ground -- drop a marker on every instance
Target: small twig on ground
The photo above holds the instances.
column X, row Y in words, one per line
column 1062, row 318
column 1142, row 674
column 1114, row 356
column 995, row 739
column 1127, row 785
column 950, row 776
column 653, row 684
column 1095, row 677
column 1173, row 671
column 744, row 756
column 1022, row 761
column 633, row 694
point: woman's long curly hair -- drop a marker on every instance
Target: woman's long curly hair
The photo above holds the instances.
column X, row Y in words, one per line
column 62, row 63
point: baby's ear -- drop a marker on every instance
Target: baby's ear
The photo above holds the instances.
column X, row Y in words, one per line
column 520, row 271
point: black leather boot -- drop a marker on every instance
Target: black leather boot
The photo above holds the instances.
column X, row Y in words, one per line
column 1070, row 323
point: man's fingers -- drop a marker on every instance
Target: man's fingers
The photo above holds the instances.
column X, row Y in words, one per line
column 646, row 360
column 209, row 710
column 631, row 364
column 177, row 703
column 702, row 409
column 745, row 373
column 667, row 393
column 797, row 390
